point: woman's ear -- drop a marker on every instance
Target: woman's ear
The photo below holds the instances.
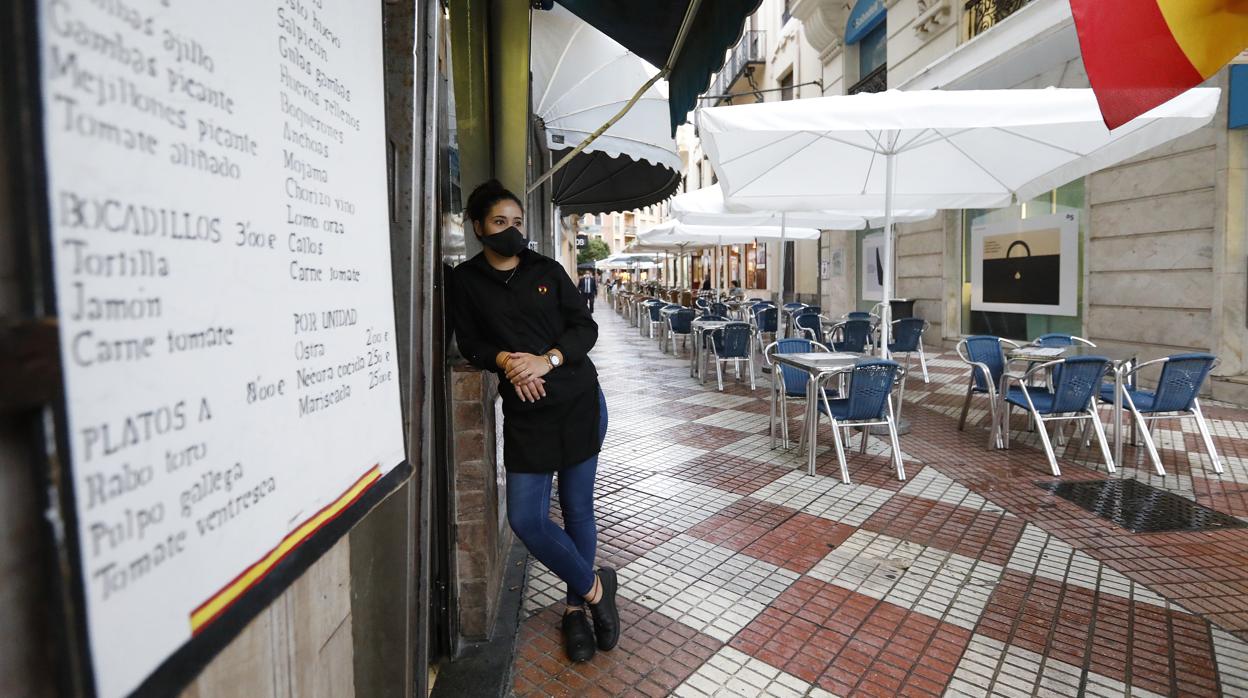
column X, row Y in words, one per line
column 476, row 228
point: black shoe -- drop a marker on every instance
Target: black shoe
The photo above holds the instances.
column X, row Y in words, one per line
column 606, row 615
column 578, row 636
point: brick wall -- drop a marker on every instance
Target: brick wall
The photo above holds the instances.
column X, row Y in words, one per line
column 481, row 534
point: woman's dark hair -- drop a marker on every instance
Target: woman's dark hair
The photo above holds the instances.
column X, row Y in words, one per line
column 483, row 198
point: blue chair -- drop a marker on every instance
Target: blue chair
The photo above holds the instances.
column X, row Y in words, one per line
column 867, row 403
column 719, row 309
column 907, row 338
column 665, row 310
column 810, row 325
column 786, row 318
column 654, row 318
column 859, row 315
column 1071, row 398
column 1057, row 339
column 732, row 343
column 986, row 357
column 791, row 382
column 852, row 335
column 678, row 325
column 765, row 324
column 1182, row 376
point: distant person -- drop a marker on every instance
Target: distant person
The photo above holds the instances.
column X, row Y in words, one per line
column 516, row 313
column 706, row 285
column 736, row 291
column 588, row 287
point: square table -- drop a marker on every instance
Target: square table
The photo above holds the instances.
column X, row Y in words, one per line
column 1121, row 360
column 818, row 367
column 664, row 314
column 698, row 328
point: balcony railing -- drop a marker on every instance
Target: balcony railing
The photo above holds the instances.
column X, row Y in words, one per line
column 985, row 14
column 749, row 50
column 875, row 81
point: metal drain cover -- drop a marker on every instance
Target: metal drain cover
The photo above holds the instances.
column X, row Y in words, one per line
column 1141, row 508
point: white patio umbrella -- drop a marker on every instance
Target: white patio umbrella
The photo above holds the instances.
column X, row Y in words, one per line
column 673, row 232
column 932, row 149
column 706, row 206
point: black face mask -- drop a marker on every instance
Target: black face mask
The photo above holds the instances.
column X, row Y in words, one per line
column 507, row 243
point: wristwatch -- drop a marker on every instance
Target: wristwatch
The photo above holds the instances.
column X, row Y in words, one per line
column 554, row 360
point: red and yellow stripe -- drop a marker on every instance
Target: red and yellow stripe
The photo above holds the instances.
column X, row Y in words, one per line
column 211, row 609
column 1142, row 53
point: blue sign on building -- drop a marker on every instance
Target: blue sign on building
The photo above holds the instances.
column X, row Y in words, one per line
column 1237, row 113
column 866, row 15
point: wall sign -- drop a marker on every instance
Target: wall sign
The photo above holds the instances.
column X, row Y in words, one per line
column 218, row 220
column 1027, row 266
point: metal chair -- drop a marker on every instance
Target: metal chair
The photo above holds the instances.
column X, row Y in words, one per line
column 678, row 325
column 665, row 311
column 792, row 381
column 1072, row 398
column 986, row 357
column 809, row 325
column 860, row 315
column 732, row 342
column 765, row 324
column 1056, row 339
column 1182, row 376
column 852, row 335
column 786, row 317
column 867, row 403
column 642, row 313
column 907, row 336
column 655, row 318
column 719, row 309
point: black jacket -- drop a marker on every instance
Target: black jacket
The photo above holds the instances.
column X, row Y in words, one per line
column 538, row 310
column 593, row 285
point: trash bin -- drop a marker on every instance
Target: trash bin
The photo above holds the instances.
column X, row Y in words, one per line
column 901, row 308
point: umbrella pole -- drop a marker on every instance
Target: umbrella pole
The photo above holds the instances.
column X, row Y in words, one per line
column 886, row 314
column 783, row 219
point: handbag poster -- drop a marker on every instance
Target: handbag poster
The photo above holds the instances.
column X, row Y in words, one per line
column 1026, row 266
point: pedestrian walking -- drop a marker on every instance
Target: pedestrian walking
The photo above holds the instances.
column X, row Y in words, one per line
column 517, row 313
column 589, row 288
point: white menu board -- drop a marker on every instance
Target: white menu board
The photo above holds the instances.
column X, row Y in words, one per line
column 219, row 223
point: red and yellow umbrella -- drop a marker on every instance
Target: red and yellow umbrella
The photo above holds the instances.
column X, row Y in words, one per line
column 1141, row 53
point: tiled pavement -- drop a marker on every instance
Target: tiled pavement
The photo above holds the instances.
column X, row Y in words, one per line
column 742, row 576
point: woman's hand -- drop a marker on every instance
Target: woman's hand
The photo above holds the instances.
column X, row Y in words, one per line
column 523, row 368
column 532, row 391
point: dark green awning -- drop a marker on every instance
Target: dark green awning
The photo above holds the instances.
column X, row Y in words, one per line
column 649, row 28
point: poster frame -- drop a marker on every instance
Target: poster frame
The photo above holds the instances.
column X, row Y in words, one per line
column 22, row 122
column 870, row 241
column 1067, row 223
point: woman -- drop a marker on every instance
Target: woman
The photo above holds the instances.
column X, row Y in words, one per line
column 517, row 313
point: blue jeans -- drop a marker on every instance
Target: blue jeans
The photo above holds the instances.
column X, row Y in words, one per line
column 567, row 551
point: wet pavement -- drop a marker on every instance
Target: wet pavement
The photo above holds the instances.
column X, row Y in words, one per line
column 743, row 576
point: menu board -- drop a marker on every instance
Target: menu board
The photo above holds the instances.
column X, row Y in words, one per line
column 219, row 224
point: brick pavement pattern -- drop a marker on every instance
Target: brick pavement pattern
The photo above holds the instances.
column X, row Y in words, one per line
column 742, row 576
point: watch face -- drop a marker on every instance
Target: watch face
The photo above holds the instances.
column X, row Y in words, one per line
column 554, row 360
